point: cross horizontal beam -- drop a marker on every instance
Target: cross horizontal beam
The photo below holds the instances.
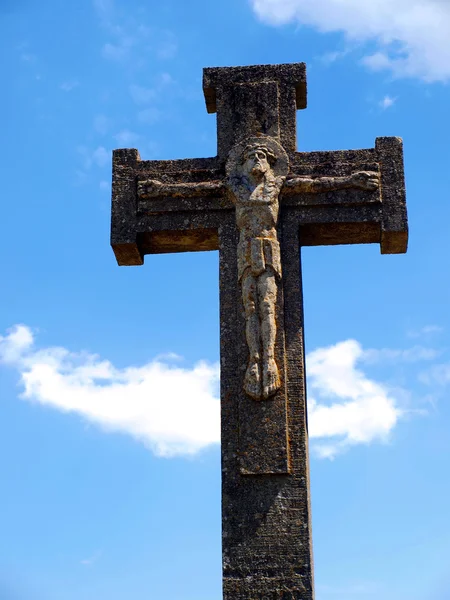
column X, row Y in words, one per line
column 142, row 225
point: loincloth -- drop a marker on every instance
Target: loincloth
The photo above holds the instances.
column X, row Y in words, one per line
column 257, row 254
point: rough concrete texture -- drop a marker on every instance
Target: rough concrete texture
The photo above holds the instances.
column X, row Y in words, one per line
column 339, row 197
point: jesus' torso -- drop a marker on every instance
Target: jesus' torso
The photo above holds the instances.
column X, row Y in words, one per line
column 257, row 211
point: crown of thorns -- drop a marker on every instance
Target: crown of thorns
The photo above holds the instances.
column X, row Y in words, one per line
column 271, row 156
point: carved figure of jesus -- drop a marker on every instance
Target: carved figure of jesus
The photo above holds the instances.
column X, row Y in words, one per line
column 256, row 175
column 256, row 182
column 256, row 190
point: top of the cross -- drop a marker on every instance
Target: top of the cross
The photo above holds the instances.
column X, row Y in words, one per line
column 255, row 100
column 287, row 75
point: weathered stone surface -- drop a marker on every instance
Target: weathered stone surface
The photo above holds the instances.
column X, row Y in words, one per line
column 258, row 202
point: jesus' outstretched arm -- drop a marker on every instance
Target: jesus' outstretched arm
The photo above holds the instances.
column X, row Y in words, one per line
column 152, row 188
column 363, row 180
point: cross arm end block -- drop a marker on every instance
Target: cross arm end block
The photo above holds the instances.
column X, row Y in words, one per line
column 123, row 213
column 286, row 75
column 394, row 224
column 354, row 216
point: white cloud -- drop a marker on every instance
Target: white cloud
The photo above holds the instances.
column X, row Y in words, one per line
column 344, row 404
column 174, row 410
column 411, row 35
column 15, row 344
column 387, row 102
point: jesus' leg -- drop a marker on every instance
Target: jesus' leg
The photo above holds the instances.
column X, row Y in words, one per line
column 252, row 380
column 267, row 299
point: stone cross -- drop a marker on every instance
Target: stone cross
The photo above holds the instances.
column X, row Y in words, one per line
column 257, row 202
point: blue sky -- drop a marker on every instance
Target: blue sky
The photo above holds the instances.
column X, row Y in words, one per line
column 109, row 423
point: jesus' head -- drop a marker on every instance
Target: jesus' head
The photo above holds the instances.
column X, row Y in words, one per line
column 257, row 160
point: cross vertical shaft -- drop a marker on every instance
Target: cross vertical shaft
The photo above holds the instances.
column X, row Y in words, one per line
column 266, row 520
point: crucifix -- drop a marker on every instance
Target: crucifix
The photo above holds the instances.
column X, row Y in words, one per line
column 258, row 202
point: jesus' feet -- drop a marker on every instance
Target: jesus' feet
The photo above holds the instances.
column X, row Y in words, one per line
column 271, row 377
column 252, row 380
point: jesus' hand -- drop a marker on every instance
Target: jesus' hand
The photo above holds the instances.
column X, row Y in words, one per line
column 149, row 188
column 365, row 180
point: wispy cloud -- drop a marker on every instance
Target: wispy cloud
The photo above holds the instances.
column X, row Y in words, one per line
column 437, row 374
column 29, row 60
column 411, row 35
column 28, row 57
column 141, row 94
column 405, row 355
column 89, row 562
column 126, row 137
column 425, row 332
column 149, row 115
column 130, row 38
column 69, row 85
column 331, row 57
column 99, row 157
column 104, row 8
column 118, row 51
column 387, row 102
column 168, row 46
column 147, row 98
column 174, row 410
column 102, row 124
column 126, row 35
column 90, row 160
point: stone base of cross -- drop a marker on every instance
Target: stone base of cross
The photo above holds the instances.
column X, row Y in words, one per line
column 257, row 202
